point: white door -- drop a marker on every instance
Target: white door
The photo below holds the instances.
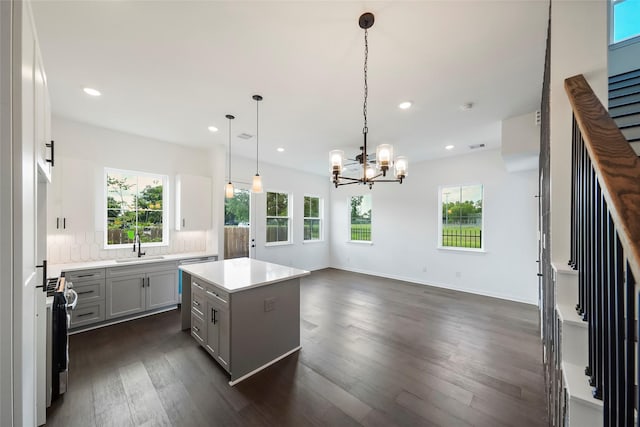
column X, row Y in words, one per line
column 26, row 275
column 6, row 241
column 26, row 278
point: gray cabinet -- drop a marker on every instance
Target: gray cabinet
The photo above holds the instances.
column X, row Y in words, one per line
column 162, row 289
column 210, row 321
column 126, row 295
column 140, row 288
column 90, row 287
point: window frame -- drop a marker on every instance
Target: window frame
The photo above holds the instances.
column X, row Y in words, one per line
column 165, row 208
column 624, row 42
column 289, row 218
column 350, row 240
column 482, row 248
column 320, row 219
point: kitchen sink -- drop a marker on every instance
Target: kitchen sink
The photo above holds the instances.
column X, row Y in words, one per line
column 136, row 259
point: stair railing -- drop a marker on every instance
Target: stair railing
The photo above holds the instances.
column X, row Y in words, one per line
column 605, row 249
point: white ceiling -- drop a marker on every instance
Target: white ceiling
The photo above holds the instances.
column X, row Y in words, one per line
column 169, row 69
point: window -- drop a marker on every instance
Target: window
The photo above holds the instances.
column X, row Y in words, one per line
column 625, row 20
column 312, row 218
column 360, row 228
column 277, row 217
column 461, row 220
column 135, row 204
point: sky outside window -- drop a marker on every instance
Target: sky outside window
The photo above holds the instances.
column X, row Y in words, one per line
column 626, row 20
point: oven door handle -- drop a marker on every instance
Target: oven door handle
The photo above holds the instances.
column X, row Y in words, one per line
column 72, row 306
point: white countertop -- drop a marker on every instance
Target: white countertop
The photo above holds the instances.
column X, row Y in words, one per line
column 54, row 270
column 242, row 273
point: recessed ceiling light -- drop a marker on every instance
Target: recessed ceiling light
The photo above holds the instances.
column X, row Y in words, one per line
column 405, row 105
column 449, row 147
column 280, row 149
column 91, row 91
column 212, row 129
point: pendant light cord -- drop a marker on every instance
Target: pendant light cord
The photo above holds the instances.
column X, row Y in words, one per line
column 229, row 150
column 257, row 134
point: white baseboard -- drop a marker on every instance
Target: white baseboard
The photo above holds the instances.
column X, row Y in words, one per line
column 439, row 285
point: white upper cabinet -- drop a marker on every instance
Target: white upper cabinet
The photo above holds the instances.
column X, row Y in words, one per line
column 45, row 148
column 71, row 202
column 193, row 202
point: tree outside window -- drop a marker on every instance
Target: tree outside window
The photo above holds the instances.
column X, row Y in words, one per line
column 135, row 206
column 461, row 216
column 360, row 225
column 277, row 217
column 312, row 220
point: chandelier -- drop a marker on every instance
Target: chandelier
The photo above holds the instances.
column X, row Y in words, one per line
column 384, row 160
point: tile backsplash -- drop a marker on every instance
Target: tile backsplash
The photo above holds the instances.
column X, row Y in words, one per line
column 89, row 246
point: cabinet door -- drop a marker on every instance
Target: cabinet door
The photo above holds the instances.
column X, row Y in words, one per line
column 213, row 330
column 125, row 295
column 40, row 119
column 193, row 202
column 222, row 322
column 162, row 289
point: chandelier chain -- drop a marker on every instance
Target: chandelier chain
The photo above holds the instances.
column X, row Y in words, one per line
column 365, row 129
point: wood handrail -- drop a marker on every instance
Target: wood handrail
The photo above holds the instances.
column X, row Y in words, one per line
column 616, row 164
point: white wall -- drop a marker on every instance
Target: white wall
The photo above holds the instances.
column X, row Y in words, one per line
column 82, row 152
column 405, row 229
column 520, row 146
column 309, row 256
column 578, row 46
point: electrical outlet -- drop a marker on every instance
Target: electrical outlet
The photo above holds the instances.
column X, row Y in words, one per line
column 269, row 304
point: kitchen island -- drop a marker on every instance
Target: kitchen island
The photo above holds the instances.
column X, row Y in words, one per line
column 245, row 313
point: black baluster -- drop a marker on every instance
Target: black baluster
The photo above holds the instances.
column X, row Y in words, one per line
column 629, row 346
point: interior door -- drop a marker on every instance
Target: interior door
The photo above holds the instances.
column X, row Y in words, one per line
column 25, row 221
column 238, row 223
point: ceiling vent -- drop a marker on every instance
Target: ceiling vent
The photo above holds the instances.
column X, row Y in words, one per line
column 244, row 135
column 476, row 146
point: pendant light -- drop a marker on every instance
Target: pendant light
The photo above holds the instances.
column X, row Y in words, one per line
column 228, row 189
column 257, row 179
column 371, row 173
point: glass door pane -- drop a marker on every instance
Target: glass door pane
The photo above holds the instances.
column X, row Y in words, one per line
column 236, row 224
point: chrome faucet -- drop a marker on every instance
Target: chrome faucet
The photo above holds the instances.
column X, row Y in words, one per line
column 137, row 240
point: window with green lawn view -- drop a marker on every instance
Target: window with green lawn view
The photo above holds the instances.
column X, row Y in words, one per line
column 278, row 218
column 312, row 218
column 360, row 226
column 135, row 205
column 461, row 220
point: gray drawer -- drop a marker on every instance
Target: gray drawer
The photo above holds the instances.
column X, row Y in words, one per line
column 83, row 275
column 197, row 301
column 197, row 328
column 89, row 291
column 212, row 291
column 86, row 314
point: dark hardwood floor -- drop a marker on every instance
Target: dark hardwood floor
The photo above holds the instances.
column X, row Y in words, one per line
column 375, row 352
